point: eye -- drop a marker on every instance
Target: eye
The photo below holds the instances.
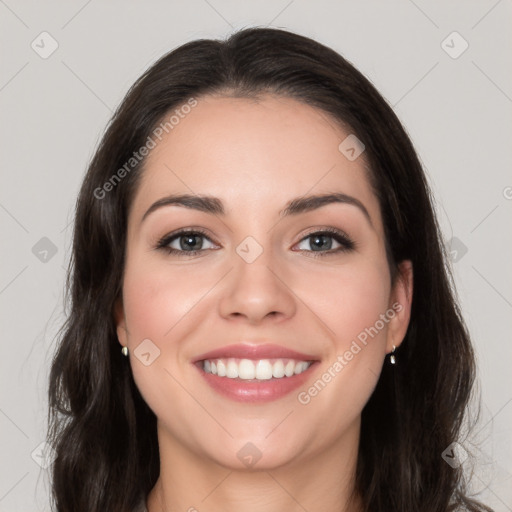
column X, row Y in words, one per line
column 181, row 241
column 190, row 242
column 322, row 242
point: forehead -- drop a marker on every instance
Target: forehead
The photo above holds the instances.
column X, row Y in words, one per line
column 253, row 154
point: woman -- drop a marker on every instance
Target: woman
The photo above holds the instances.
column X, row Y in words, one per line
column 261, row 370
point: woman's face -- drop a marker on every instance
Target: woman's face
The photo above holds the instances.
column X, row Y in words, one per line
column 265, row 273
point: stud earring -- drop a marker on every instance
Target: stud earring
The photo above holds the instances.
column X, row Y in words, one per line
column 124, row 351
column 392, row 358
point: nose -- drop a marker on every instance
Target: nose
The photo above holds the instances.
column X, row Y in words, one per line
column 254, row 291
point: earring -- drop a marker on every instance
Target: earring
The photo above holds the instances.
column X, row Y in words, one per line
column 124, row 351
column 392, row 358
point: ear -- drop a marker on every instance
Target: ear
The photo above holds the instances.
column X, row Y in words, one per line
column 400, row 303
column 120, row 320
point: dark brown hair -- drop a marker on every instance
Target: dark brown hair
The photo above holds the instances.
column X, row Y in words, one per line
column 103, row 432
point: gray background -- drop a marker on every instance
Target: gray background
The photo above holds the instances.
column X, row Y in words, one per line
column 457, row 109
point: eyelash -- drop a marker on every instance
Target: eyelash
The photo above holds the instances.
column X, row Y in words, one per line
column 346, row 244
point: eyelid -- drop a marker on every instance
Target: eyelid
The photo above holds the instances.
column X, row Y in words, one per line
column 188, row 229
column 325, row 229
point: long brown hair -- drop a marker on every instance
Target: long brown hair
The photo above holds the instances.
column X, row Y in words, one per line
column 102, row 431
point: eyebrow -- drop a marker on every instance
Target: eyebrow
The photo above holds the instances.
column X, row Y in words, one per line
column 214, row 205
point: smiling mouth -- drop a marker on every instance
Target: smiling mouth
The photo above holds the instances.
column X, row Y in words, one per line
column 255, row 370
column 255, row 380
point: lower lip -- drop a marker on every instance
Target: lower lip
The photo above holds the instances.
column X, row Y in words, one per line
column 255, row 390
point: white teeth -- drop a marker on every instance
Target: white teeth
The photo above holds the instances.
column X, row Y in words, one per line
column 231, row 370
column 300, row 367
column 289, row 369
column 278, row 369
column 221, row 369
column 263, row 369
column 246, row 369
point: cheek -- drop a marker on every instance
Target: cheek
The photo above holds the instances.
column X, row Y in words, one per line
column 157, row 299
column 349, row 299
column 353, row 302
column 159, row 302
column 367, row 299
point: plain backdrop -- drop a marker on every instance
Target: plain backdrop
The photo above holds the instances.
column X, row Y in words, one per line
column 446, row 68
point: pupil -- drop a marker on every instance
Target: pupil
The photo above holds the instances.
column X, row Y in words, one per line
column 318, row 241
column 190, row 239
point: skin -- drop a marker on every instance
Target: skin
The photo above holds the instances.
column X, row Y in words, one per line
column 256, row 156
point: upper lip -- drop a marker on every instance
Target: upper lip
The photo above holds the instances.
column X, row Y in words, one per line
column 261, row 351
